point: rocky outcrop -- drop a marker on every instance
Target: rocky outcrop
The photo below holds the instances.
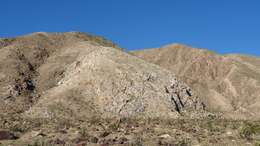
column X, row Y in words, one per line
column 114, row 83
column 7, row 135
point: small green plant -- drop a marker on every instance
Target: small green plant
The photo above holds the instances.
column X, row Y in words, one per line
column 114, row 126
column 212, row 126
column 37, row 143
column 83, row 132
column 138, row 141
column 18, row 129
column 248, row 130
column 182, row 143
column 95, row 120
column 257, row 143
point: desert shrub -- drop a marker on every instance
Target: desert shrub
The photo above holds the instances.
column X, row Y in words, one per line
column 114, row 126
column 38, row 143
column 94, row 120
column 257, row 143
column 138, row 141
column 249, row 129
column 183, row 143
column 83, row 132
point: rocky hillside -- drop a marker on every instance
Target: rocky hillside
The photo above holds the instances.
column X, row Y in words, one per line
column 230, row 83
column 73, row 75
column 77, row 89
column 25, row 69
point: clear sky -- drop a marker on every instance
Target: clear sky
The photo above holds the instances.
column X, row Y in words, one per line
column 224, row 26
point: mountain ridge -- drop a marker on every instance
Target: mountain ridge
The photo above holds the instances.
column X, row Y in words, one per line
column 174, row 45
column 208, row 68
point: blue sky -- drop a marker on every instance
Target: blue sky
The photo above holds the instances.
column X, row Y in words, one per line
column 224, row 26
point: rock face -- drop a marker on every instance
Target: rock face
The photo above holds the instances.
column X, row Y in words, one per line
column 230, row 83
column 74, row 75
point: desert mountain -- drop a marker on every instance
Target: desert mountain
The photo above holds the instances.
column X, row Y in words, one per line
column 75, row 75
column 229, row 83
column 77, row 89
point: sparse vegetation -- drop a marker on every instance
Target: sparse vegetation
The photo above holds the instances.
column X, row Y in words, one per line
column 249, row 130
column 140, row 131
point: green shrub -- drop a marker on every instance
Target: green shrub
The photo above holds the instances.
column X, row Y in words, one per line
column 248, row 130
column 257, row 143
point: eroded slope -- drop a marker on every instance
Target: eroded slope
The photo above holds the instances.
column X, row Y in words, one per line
column 113, row 83
column 230, row 84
